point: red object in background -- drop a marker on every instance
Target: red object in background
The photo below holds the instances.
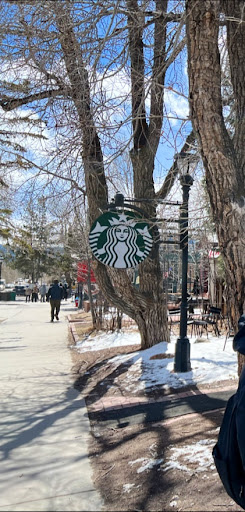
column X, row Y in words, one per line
column 82, row 273
column 76, row 302
column 213, row 254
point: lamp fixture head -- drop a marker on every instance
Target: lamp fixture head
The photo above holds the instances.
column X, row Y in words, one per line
column 186, row 162
column 119, row 199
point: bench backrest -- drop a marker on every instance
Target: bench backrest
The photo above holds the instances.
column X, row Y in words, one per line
column 174, row 311
column 214, row 311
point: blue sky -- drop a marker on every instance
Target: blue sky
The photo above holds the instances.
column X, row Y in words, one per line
column 175, row 128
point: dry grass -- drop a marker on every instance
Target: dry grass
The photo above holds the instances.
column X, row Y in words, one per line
column 83, row 323
column 82, row 329
column 82, row 317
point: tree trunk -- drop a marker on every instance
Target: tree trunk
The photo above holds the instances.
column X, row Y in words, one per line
column 149, row 311
column 152, row 324
column 140, row 305
column 222, row 155
column 138, row 35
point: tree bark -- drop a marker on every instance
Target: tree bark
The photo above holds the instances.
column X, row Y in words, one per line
column 146, row 306
column 222, row 155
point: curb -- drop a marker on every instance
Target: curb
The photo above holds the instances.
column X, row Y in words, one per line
column 121, row 402
column 161, row 411
column 72, row 327
column 73, row 320
column 73, row 332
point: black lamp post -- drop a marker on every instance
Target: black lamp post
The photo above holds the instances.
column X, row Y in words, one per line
column 1, row 262
column 184, row 162
column 182, row 349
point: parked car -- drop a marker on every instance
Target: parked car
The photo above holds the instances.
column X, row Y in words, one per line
column 2, row 284
column 9, row 286
column 20, row 289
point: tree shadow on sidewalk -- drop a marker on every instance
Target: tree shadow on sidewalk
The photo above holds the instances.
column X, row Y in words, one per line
column 26, row 426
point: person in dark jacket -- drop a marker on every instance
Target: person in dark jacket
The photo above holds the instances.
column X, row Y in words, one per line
column 229, row 451
column 55, row 294
column 239, row 346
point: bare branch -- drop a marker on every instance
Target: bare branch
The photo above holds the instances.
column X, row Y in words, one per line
column 9, row 104
column 173, row 171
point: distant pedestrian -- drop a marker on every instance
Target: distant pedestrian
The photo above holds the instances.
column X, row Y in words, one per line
column 34, row 295
column 196, row 286
column 65, row 290
column 55, row 294
column 43, row 291
column 28, row 292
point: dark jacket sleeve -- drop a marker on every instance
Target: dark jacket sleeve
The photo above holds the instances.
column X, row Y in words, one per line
column 240, row 417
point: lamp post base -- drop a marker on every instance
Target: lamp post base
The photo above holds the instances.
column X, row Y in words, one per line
column 182, row 355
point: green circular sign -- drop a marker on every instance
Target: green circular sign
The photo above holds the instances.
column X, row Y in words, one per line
column 120, row 239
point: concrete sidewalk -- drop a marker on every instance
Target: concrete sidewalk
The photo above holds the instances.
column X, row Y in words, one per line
column 44, row 421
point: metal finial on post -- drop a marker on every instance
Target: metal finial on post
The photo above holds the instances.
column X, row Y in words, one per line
column 119, row 199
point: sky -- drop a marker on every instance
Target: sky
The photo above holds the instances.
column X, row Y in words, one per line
column 115, row 87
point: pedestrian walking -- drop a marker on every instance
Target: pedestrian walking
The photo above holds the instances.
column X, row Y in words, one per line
column 55, row 294
column 34, row 295
column 28, row 292
column 43, row 291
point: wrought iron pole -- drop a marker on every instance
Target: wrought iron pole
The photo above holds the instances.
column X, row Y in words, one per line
column 182, row 349
column 1, row 262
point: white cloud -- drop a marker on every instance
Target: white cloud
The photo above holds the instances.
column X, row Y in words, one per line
column 176, row 106
column 24, row 127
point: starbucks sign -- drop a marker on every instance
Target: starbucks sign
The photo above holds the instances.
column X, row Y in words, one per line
column 120, row 239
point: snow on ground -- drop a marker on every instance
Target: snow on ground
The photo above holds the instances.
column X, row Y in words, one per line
column 146, row 463
column 211, row 360
column 106, row 340
column 199, row 454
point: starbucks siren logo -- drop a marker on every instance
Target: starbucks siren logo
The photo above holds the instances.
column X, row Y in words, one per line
column 120, row 240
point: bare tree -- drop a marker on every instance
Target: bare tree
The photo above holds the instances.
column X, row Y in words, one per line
column 222, row 150
column 72, row 49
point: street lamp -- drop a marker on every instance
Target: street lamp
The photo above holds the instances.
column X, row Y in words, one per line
column 1, row 262
column 185, row 162
column 182, row 350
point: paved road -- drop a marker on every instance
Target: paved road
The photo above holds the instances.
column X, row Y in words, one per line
column 44, row 423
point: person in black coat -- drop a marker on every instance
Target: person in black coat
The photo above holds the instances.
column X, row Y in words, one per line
column 55, row 294
column 229, row 451
column 239, row 346
column 239, row 338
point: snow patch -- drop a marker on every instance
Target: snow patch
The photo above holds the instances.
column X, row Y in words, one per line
column 198, row 454
column 147, row 463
